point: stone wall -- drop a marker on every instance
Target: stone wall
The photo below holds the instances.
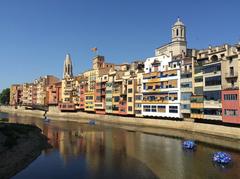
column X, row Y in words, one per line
column 21, row 110
column 215, row 130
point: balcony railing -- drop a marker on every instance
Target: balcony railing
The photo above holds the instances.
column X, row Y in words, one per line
column 231, row 75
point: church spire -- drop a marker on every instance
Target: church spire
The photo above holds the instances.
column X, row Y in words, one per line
column 67, row 69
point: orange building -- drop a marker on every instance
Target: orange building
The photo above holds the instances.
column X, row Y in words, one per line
column 16, row 95
column 54, row 93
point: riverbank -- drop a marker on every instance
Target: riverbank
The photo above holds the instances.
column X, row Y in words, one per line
column 209, row 129
column 19, row 146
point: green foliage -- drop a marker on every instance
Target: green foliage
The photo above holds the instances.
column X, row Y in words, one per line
column 5, row 96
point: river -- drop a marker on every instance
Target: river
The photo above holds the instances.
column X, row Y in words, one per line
column 108, row 151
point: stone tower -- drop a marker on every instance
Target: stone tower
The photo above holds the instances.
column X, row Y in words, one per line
column 178, row 31
column 68, row 68
column 98, row 62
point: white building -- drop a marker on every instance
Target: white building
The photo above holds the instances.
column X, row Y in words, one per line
column 161, row 78
column 161, row 87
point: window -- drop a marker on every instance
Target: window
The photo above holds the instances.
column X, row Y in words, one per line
column 161, row 108
column 138, row 105
column 138, row 112
column 185, row 106
column 231, row 112
column 186, row 85
column 150, row 98
column 230, row 97
column 89, row 97
column 116, row 99
column 130, row 90
column 98, row 105
column 196, row 99
column 154, row 108
column 212, row 95
column 212, row 81
column 186, row 75
column 108, row 91
column 108, row 99
column 197, row 111
column 231, row 71
column 98, row 98
column 144, row 86
column 186, row 96
column 212, row 68
column 198, row 79
column 198, row 69
column 213, row 111
column 198, row 90
column 173, row 109
column 115, row 108
column 129, row 82
column 129, row 99
column 138, row 97
column 146, row 108
column 129, row 108
column 157, row 87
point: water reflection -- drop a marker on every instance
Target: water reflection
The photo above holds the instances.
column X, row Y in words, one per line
column 83, row 151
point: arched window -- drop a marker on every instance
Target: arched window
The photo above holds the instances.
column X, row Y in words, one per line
column 177, row 33
column 69, row 66
column 214, row 58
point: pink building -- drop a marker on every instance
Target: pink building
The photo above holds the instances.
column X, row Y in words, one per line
column 231, row 106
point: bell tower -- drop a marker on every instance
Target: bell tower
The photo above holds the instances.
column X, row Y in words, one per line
column 178, row 31
column 68, row 69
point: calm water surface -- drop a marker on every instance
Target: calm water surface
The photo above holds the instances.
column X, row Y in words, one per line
column 103, row 151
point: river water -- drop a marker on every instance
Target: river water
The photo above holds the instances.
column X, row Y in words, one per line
column 107, row 151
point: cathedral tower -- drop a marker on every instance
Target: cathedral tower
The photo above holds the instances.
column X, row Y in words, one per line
column 68, row 69
column 178, row 31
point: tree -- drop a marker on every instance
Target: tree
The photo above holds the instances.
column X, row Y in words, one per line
column 5, row 96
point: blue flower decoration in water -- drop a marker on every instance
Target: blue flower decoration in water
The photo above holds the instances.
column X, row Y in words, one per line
column 189, row 144
column 222, row 157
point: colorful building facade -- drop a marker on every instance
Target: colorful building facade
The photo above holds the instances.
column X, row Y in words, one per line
column 176, row 82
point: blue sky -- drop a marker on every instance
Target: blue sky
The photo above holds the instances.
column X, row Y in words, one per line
column 35, row 35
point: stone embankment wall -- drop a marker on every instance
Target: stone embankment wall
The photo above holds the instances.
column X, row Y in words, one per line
column 55, row 114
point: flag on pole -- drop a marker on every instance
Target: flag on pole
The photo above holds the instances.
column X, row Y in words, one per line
column 94, row 49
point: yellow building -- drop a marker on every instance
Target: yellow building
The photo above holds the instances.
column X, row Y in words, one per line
column 90, row 75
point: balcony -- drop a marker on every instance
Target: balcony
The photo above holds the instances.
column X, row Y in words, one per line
column 231, row 88
column 186, row 71
column 186, row 89
column 212, row 104
column 197, row 116
column 155, row 102
column 185, row 80
column 98, row 105
column 196, row 105
column 185, row 111
column 154, row 80
column 196, row 99
column 231, row 75
column 213, row 117
column 151, row 90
